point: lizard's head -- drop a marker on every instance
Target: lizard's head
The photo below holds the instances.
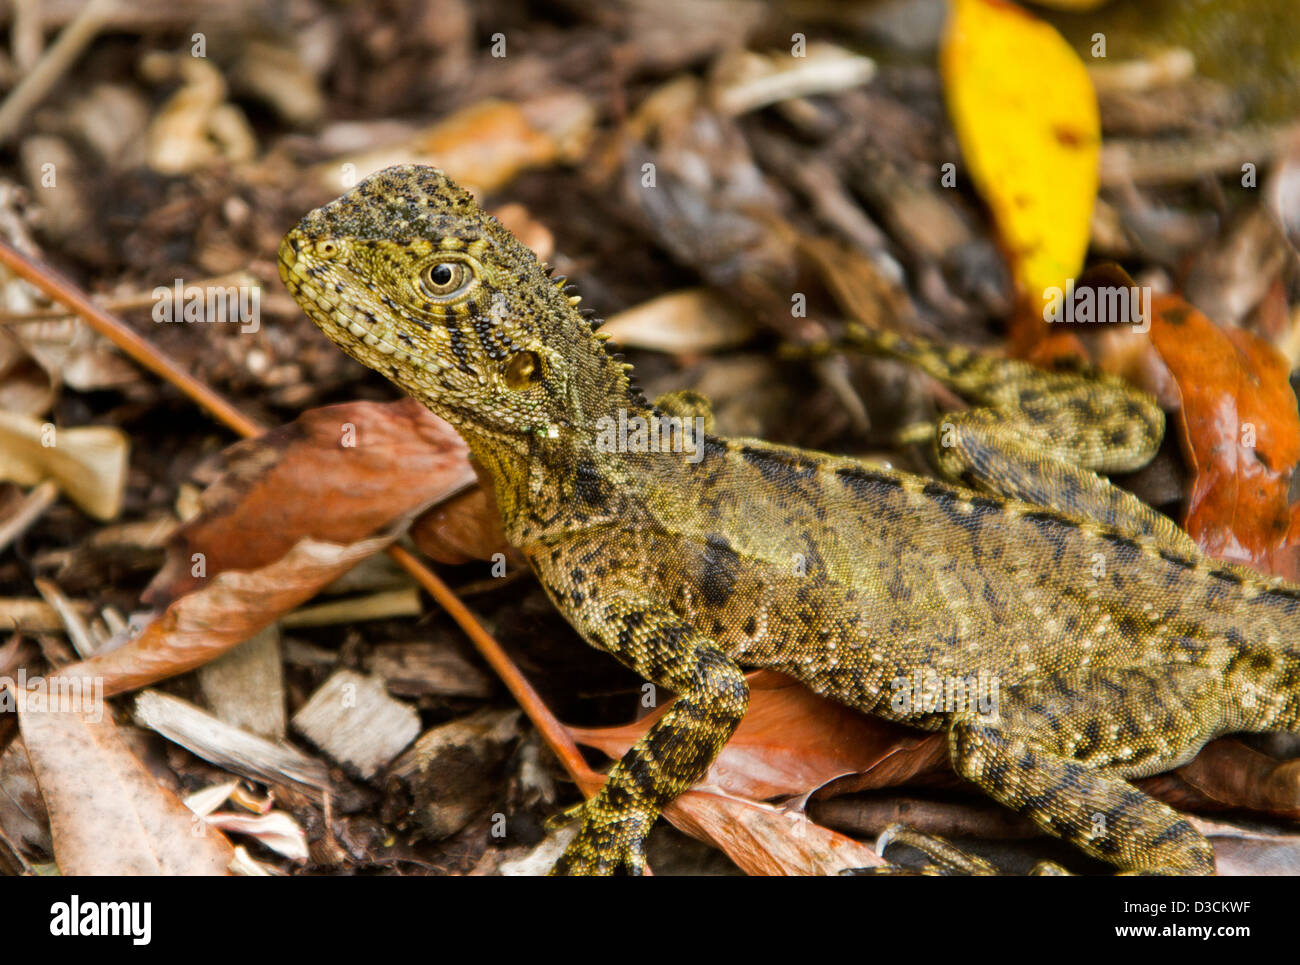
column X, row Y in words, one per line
column 412, row 278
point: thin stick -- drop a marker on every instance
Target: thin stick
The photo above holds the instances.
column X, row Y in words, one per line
column 33, row 506
column 115, row 330
column 72, row 40
column 555, row 734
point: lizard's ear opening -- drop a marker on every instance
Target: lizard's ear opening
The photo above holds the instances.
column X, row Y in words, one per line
column 523, row 371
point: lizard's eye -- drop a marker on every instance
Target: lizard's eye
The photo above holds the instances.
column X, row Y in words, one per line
column 523, row 370
column 446, row 279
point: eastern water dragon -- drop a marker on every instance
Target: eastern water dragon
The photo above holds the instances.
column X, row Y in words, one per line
column 1117, row 648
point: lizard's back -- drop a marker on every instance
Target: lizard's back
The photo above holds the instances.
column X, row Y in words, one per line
column 852, row 579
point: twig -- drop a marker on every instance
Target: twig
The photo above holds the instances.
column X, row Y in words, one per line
column 34, row 505
column 552, row 731
column 121, row 303
column 74, row 624
column 73, row 39
column 115, row 330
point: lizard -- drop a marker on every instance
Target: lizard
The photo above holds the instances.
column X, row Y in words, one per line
column 1117, row 648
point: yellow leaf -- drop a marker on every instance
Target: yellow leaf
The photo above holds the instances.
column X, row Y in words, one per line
column 1026, row 116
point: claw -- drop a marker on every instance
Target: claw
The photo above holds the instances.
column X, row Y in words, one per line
column 566, row 817
column 941, row 858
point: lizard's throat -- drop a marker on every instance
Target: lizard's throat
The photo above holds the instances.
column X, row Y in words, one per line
column 545, row 485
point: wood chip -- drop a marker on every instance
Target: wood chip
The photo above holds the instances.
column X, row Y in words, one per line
column 450, row 773
column 353, row 720
column 226, row 746
column 416, row 670
column 245, row 687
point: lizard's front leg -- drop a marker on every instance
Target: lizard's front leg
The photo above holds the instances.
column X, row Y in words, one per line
column 677, row 750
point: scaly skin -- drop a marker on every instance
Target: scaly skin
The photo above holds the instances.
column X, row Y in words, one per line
column 1117, row 650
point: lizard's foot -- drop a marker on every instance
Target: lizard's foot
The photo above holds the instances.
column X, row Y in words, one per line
column 608, row 843
column 940, row 857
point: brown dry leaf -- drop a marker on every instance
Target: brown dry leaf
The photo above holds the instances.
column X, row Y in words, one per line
column 482, row 146
column 766, row 840
column 337, row 474
column 1227, row 774
column 791, row 742
column 226, row 611
column 108, row 816
column 465, row 527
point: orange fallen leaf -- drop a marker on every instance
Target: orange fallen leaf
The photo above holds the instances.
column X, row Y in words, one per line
column 205, row 623
column 465, row 527
column 1240, row 430
column 299, row 507
column 791, row 741
column 1228, row 775
column 482, row 146
column 766, row 840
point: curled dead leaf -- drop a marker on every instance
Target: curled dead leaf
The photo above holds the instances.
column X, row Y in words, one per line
column 1240, row 431
column 203, row 624
column 337, row 474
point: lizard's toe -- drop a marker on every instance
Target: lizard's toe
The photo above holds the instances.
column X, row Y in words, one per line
column 606, row 844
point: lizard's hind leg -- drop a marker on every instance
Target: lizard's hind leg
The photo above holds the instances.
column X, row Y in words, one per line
column 1059, row 749
column 1039, row 436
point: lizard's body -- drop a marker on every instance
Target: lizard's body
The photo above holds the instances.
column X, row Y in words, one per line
column 1110, row 647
